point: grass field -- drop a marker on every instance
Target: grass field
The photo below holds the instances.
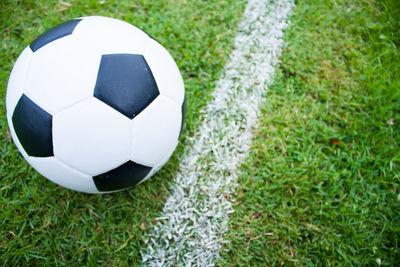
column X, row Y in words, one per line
column 321, row 184
column 42, row 223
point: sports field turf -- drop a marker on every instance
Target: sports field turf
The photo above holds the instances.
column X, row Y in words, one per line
column 321, row 183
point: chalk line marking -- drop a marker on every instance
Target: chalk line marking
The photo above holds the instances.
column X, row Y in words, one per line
column 191, row 229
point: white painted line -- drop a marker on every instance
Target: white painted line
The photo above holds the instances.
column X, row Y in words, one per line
column 191, row 229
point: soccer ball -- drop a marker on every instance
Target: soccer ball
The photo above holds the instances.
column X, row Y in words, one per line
column 95, row 105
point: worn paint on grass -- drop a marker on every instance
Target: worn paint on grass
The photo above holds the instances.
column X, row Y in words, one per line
column 194, row 219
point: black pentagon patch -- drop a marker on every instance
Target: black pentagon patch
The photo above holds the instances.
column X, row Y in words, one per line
column 33, row 127
column 54, row 33
column 183, row 116
column 125, row 82
column 124, row 176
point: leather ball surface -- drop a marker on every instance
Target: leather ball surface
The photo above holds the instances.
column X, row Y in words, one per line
column 95, row 105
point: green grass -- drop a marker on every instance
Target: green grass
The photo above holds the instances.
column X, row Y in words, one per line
column 321, row 185
column 44, row 224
